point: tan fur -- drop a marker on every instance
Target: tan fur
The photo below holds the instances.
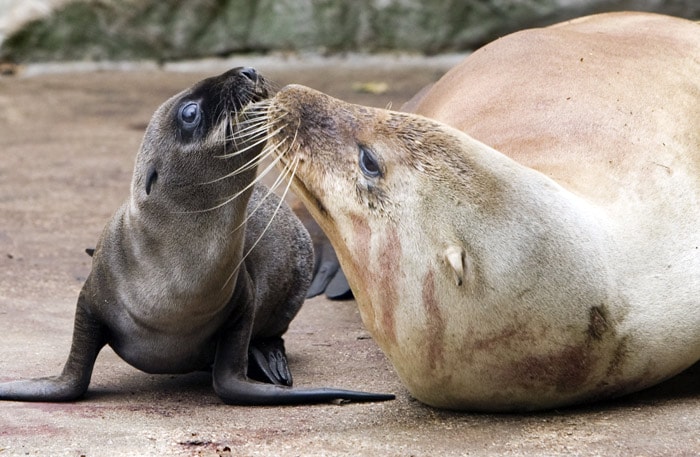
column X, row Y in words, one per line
column 561, row 266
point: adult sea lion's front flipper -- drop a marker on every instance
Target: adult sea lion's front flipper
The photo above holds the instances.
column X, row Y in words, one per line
column 326, row 269
column 328, row 276
column 338, row 287
column 72, row 383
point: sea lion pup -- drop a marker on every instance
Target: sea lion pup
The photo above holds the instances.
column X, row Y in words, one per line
column 562, row 266
column 199, row 265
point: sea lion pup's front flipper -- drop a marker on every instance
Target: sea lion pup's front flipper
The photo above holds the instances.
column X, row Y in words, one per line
column 72, row 383
column 230, row 379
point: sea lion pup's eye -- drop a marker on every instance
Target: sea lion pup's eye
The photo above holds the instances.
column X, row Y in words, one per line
column 368, row 163
column 190, row 115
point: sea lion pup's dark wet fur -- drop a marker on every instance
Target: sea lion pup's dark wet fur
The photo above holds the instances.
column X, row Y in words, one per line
column 199, row 265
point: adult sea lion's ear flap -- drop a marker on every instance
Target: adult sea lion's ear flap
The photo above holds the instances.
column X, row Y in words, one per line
column 455, row 259
column 90, row 251
column 151, row 178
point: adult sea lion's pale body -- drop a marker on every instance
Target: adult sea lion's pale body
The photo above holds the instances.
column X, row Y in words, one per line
column 199, row 267
column 560, row 263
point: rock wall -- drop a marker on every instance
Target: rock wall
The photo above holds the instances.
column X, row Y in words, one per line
column 180, row 29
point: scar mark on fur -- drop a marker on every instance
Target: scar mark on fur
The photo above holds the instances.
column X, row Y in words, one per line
column 361, row 243
column 360, row 263
column 566, row 369
column 598, row 323
column 435, row 322
column 390, row 267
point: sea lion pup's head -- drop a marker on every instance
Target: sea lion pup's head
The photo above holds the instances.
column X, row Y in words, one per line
column 192, row 144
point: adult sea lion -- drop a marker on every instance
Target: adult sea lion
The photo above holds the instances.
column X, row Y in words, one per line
column 559, row 265
column 199, row 266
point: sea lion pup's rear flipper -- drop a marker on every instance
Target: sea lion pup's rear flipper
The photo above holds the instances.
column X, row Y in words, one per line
column 72, row 383
column 235, row 388
column 230, row 378
column 267, row 362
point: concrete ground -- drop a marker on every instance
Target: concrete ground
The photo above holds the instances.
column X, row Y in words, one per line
column 67, row 144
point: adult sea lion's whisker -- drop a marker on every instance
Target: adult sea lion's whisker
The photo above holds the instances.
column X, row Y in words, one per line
column 252, row 163
column 267, row 227
column 280, row 178
column 242, row 191
column 257, row 160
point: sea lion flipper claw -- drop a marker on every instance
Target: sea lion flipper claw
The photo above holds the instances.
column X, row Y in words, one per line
column 268, row 360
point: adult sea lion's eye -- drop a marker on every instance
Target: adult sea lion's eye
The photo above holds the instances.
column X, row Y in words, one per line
column 368, row 163
column 190, row 114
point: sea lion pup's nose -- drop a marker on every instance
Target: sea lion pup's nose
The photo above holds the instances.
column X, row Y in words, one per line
column 250, row 73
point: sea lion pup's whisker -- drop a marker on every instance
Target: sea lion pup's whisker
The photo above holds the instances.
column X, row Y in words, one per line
column 224, row 119
column 267, row 226
column 258, row 142
column 166, row 314
column 257, row 160
column 248, row 127
column 252, row 163
column 242, row 191
column 278, row 181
